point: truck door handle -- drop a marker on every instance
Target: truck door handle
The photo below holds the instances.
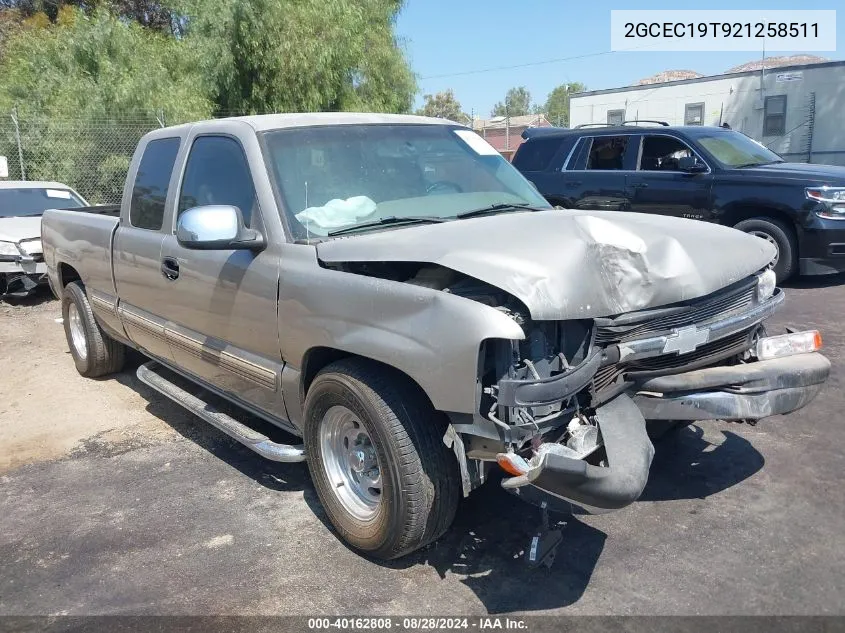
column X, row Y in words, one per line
column 170, row 267
column 576, row 183
column 639, row 185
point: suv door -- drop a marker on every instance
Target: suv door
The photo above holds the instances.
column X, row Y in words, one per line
column 221, row 305
column 541, row 160
column 137, row 245
column 595, row 175
column 659, row 186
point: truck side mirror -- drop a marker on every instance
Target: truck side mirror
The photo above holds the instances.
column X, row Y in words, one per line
column 216, row 227
column 691, row 164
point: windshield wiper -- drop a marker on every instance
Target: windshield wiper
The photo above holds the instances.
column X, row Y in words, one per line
column 391, row 219
column 766, row 162
column 497, row 207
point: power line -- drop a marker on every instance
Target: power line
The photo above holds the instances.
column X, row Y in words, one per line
column 529, row 64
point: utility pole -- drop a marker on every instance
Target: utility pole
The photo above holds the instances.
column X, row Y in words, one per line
column 507, row 125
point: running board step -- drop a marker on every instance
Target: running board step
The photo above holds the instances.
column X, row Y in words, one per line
column 148, row 373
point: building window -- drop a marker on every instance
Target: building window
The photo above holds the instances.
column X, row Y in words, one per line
column 694, row 114
column 615, row 117
column 774, row 117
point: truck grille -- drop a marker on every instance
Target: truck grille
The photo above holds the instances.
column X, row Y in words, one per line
column 735, row 298
column 707, row 354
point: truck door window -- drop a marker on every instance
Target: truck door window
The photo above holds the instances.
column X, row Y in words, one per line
column 218, row 173
column 146, row 209
column 607, row 152
column 661, row 153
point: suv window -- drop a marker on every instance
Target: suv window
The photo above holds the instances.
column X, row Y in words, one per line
column 218, row 173
column 146, row 208
column 536, row 154
column 607, row 152
column 661, row 153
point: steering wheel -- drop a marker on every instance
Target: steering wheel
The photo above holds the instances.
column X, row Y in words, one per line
column 443, row 186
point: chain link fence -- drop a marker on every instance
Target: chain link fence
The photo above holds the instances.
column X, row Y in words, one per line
column 93, row 156
column 90, row 156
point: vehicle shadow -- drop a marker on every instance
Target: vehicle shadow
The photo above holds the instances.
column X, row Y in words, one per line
column 821, row 281
column 271, row 475
column 687, row 466
column 40, row 296
column 486, row 544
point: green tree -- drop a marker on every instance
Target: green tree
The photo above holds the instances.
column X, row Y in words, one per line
column 302, row 55
column 557, row 103
column 517, row 102
column 160, row 16
column 86, row 88
column 10, row 22
column 443, row 105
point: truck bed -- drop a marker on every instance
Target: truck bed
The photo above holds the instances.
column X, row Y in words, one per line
column 82, row 240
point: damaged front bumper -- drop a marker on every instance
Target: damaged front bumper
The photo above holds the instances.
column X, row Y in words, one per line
column 747, row 391
column 20, row 275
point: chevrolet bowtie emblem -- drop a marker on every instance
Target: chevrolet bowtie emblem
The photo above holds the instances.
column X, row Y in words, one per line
column 686, row 339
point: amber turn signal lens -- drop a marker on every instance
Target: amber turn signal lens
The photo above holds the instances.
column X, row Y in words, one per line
column 512, row 464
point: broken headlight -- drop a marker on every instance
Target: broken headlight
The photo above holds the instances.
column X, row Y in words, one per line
column 8, row 248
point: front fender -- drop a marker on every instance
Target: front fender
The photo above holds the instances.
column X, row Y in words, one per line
column 430, row 335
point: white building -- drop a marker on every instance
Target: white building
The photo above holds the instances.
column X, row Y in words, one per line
column 798, row 111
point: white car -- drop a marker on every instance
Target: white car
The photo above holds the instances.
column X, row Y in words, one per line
column 22, row 203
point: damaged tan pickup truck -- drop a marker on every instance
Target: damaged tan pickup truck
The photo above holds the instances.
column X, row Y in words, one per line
column 392, row 291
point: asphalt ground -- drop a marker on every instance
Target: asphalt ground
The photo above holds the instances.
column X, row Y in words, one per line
column 113, row 500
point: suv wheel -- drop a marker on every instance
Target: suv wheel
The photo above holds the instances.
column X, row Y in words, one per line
column 781, row 237
column 387, row 481
column 94, row 352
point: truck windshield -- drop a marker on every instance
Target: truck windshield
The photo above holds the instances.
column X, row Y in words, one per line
column 341, row 176
column 734, row 149
column 35, row 201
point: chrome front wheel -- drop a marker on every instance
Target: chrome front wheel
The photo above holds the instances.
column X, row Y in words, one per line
column 77, row 332
column 350, row 462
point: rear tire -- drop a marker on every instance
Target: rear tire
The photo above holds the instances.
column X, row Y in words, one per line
column 367, row 423
column 94, row 352
column 779, row 235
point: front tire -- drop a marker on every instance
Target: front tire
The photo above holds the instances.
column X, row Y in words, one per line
column 94, row 352
column 387, row 481
column 781, row 237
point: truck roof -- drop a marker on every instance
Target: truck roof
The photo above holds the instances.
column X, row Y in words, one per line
column 31, row 184
column 263, row 122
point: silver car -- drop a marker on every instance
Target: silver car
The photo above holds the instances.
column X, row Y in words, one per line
column 22, row 202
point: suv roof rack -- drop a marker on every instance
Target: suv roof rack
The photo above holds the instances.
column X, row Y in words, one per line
column 626, row 122
column 662, row 123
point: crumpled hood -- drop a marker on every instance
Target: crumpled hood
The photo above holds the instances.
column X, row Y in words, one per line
column 566, row 264
column 17, row 229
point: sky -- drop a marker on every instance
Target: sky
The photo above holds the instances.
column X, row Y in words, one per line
column 449, row 41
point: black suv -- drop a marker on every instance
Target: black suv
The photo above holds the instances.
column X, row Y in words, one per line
column 703, row 173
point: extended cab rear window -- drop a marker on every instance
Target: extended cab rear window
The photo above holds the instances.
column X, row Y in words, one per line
column 146, row 210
